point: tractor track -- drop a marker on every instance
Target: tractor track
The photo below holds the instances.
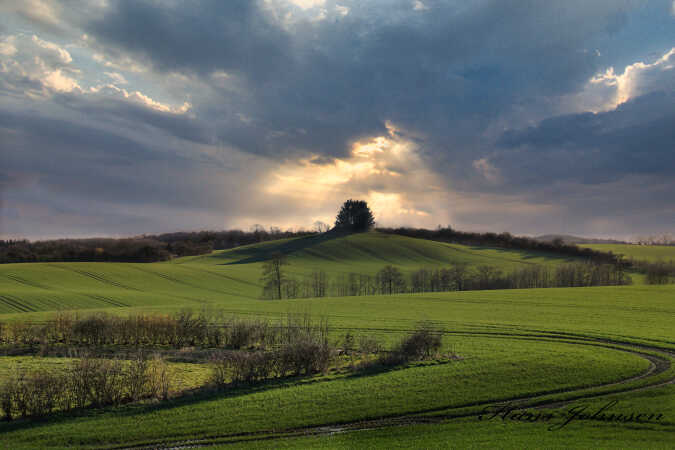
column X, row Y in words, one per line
column 659, row 362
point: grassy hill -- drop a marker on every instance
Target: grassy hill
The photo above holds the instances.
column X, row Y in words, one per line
column 644, row 252
column 226, row 276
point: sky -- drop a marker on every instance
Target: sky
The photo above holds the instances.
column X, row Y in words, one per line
column 123, row 117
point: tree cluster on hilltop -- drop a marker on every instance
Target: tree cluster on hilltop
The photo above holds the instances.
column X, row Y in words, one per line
column 354, row 216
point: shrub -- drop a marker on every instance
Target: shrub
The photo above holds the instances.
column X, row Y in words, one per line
column 159, row 379
column 369, row 345
column 107, row 382
column 305, row 356
column 238, row 367
column 8, row 391
column 137, row 377
column 423, row 343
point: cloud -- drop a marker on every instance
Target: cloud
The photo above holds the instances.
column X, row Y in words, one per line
column 38, row 68
column 233, row 36
column 43, row 12
column 116, row 77
column 35, row 67
column 636, row 138
column 637, row 79
column 419, row 6
column 61, row 53
column 139, row 98
column 487, row 170
column 342, row 10
column 7, row 47
column 306, row 4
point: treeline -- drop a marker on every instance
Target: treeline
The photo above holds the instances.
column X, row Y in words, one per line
column 146, row 248
column 176, row 330
column 505, row 240
column 459, row 277
column 87, row 382
column 656, row 272
column 666, row 239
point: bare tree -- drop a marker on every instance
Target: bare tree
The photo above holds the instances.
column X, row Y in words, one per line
column 321, row 227
column 273, row 275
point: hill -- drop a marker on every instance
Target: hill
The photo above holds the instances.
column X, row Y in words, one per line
column 650, row 253
column 223, row 277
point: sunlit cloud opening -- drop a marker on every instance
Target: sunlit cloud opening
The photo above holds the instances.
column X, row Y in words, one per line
column 637, row 79
column 386, row 171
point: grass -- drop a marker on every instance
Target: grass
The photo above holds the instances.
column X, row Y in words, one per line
column 509, row 434
column 470, row 433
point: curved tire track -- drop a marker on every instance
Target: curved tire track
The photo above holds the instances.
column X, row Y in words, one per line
column 660, row 362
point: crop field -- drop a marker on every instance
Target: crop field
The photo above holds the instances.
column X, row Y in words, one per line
column 644, row 252
column 547, row 350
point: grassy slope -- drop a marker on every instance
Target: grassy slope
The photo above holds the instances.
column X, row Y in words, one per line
column 643, row 252
column 228, row 276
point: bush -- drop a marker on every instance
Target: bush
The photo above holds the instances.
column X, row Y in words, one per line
column 423, row 343
column 237, row 367
column 305, row 356
column 242, row 333
column 369, row 345
column 8, row 391
column 159, row 380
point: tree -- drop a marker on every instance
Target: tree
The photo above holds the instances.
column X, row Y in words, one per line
column 390, row 280
column 321, row 227
column 354, row 216
column 273, row 275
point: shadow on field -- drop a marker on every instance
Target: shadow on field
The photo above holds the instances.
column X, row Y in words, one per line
column 259, row 253
column 204, row 394
column 524, row 254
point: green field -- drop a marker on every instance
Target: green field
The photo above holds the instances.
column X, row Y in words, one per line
column 547, row 348
column 224, row 277
column 644, row 252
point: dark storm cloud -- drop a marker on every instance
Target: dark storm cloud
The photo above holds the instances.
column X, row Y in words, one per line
column 200, row 37
column 636, row 138
column 90, row 161
column 107, row 109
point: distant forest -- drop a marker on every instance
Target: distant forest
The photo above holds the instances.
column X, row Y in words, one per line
column 146, row 248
